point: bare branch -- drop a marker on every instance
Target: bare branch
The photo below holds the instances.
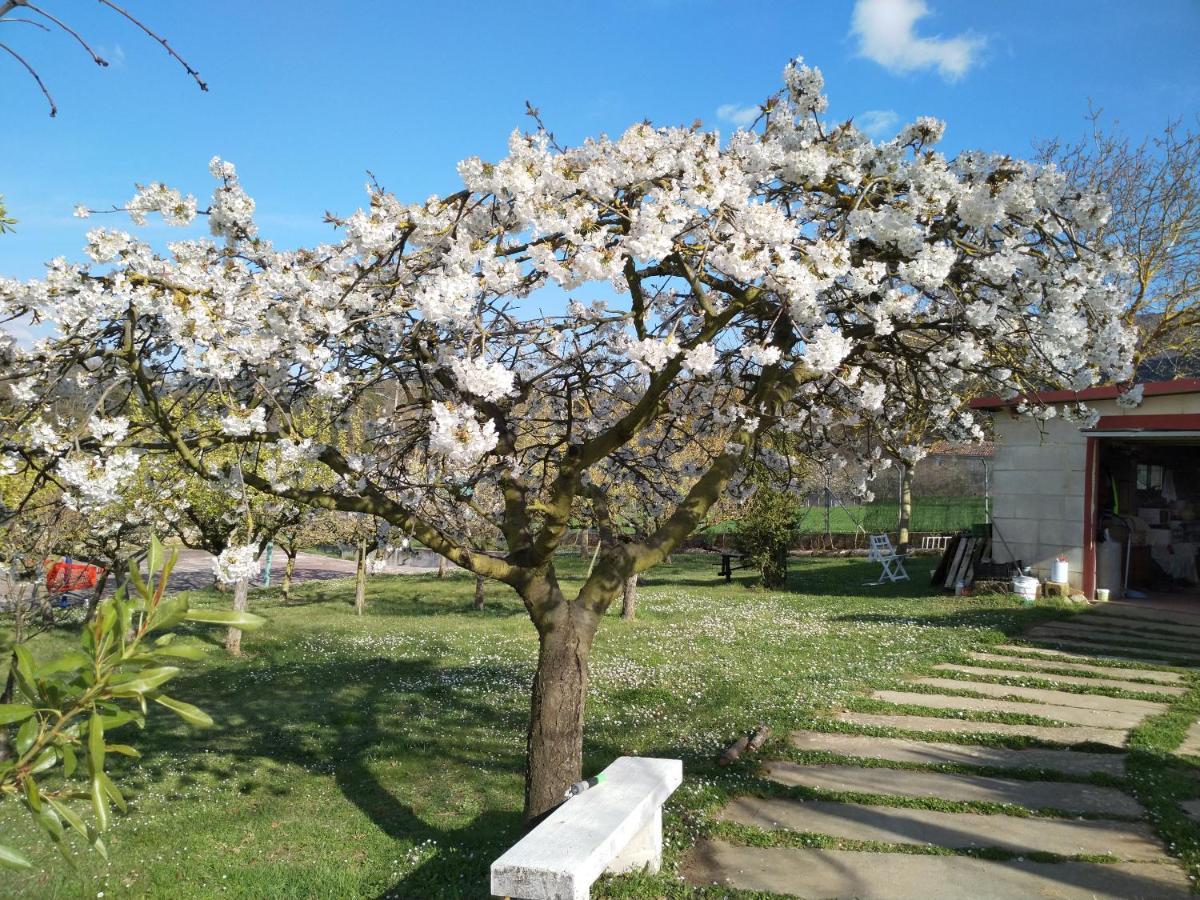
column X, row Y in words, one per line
column 96, row 57
column 36, row 77
column 162, row 40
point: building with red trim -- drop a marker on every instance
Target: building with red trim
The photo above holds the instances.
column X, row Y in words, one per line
column 1119, row 499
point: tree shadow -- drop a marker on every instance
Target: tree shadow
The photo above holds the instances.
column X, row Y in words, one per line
column 375, row 716
column 1011, row 620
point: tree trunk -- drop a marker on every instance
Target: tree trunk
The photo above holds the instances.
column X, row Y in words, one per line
column 905, row 509
column 241, row 599
column 288, row 568
column 443, row 569
column 479, row 592
column 583, row 543
column 97, row 593
column 554, row 753
column 629, row 597
column 360, row 579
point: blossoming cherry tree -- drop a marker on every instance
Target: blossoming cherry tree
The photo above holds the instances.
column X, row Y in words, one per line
column 796, row 279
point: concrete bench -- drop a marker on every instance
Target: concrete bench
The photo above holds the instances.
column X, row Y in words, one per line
column 614, row 827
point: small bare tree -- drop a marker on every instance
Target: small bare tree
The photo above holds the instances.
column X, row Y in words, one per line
column 1154, row 188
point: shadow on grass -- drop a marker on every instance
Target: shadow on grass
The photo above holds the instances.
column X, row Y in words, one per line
column 1011, row 620
column 384, row 730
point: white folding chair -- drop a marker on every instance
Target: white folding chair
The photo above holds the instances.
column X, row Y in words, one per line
column 880, row 550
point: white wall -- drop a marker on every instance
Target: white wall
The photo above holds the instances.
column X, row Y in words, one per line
column 1038, row 483
column 1037, row 493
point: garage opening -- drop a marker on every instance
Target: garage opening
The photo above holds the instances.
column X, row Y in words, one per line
column 1148, row 517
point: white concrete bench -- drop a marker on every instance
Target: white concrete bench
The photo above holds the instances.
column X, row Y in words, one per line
column 614, row 827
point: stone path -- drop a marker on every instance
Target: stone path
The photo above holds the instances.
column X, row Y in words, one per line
column 917, row 815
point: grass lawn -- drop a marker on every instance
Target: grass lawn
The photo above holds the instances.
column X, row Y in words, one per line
column 382, row 756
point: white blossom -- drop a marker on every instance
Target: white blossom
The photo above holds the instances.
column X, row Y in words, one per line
column 458, row 438
column 1132, row 398
column 236, row 564
column 240, row 423
column 701, row 359
column 491, row 381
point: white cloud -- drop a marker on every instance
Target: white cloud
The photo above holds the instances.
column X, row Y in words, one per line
column 741, row 116
column 877, row 121
column 114, row 54
column 886, row 35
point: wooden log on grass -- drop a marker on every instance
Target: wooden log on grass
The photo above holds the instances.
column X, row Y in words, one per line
column 734, row 751
column 758, row 738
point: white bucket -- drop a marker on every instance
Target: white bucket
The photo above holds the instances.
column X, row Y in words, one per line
column 1025, row 587
column 1101, row 595
column 1059, row 572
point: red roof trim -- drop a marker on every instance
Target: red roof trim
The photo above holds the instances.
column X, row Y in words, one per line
column 1106, row 392
column 1168, row 422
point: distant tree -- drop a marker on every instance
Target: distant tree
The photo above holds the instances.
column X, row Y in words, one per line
column 767, row 529
column 313, row 528
column 1153, row 186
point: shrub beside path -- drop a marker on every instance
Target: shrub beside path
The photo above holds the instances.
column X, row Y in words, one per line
column 1043, row 768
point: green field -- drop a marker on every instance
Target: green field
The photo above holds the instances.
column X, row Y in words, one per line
column 381, row 756
column 943, row 515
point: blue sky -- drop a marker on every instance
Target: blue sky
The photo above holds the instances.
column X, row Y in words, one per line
column 306, row 97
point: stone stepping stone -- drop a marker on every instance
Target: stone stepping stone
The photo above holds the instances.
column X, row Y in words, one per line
column 1145, row 613
column 1067, row 734
column 1191, row 741
column 903, row 876
column 1131, row 686
column 1085, row 651
column 1191, row 809
column 1071, row 797
column 932, row 753
column 957, row 831
column 1109, row 671
column 1159, row 656
column 1138, row 626
column 1042, row 695
column 1162, row 644
column 1069, row 714
column 1045, row 652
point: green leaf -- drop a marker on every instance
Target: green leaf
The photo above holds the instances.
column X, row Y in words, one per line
column 12, row 859
column 193, row 715
column 112, row 791
column 123, row 749
column 99, row 804
column 156, row 555
column 25, row 677
column 50, row 822
column 71, row 661
column 98, row 844
column 96, row 746
column 71, row 817
column 14, row 712
column 139, row 585
column 147, row 680
column 33, row 797
column 243, row 620
column 180, row 651
column 45, row 760
column 70, row 760
column 117, row 719
column 170, row 613
column 26, row 735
